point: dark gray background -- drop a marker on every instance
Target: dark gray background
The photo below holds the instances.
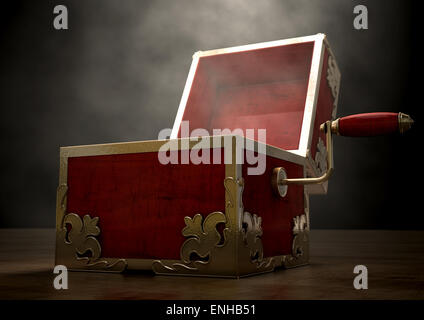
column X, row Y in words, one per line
column 118, row 73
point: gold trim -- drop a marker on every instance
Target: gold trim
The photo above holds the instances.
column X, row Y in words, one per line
column 77, row 247
column 204, row 240
column 230, row 201
column 335, row 126
column 250, row 250
column 405, row 122
column 300, row 251
column 300, row 245
column 321, row 156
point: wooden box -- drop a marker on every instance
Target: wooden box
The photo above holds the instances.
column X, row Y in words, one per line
column 119, row 207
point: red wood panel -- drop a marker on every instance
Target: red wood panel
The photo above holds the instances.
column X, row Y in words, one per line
column 277, row 213
column 142, row 203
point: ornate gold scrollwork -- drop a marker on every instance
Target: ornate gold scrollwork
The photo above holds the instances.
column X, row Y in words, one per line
column 321, row 157
column 333, row 78
column 300, row 246
column 231, row 196
column 216, row 252
column 252, row 233
column 202, row 240
column 77, row 246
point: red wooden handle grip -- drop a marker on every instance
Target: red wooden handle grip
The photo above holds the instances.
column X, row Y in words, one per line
column 369, row 124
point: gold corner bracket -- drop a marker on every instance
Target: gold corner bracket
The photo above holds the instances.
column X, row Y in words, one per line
column 279, row 180
column 77, row 246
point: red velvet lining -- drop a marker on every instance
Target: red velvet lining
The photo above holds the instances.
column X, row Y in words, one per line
column 142, row 203
column 277, row 213
column 257, row 89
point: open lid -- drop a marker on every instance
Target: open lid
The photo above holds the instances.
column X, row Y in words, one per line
column 279, row 86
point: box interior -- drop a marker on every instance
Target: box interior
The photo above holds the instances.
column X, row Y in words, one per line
column 257, row 89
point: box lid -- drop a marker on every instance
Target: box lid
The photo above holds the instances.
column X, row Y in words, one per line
column 288, row 87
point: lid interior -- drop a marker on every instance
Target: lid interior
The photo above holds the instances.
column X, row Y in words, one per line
column 257, row 89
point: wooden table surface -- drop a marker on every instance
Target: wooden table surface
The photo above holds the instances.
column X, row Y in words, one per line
column 395, row 262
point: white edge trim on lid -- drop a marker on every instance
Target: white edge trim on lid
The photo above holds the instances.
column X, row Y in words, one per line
column 260, row 45
column 311, row 97
column 184, row 97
